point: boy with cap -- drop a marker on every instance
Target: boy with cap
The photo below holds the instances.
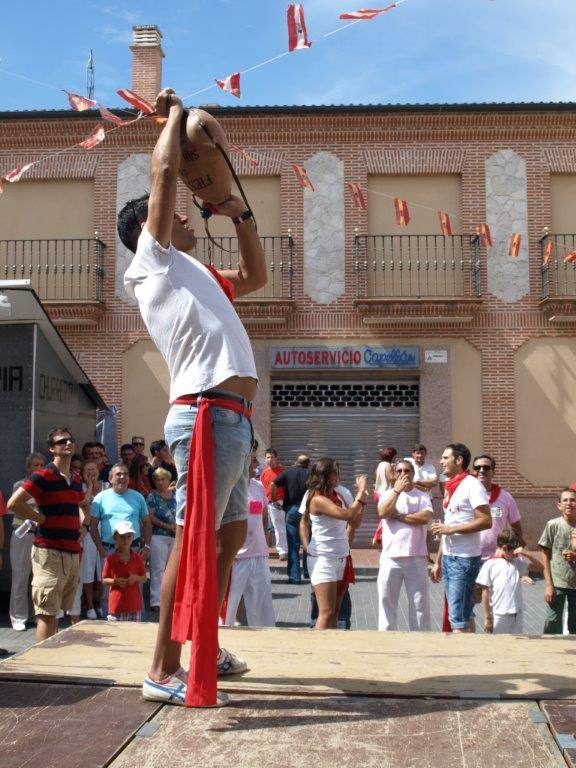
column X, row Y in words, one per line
column 123, row 572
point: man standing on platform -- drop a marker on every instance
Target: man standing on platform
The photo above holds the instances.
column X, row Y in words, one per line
column 425, row 475
column 275, row 506
column 466, row 513
column 293, row 482
column 187, row 308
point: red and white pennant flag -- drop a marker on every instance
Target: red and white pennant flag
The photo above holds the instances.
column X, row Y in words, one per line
column 357, row 195
column 548, row 251
column 570, row 258
column 96, row 137
column 364, row 14
column 297, row 34
column 515, row 243
column 485, row 235
column 136, row 101
column 402, row 213
column 107, row 115
column 252, row 160
column 80, row 103
column 231, row 84
column 302, row 176
column 445, row 224
column 17, row 173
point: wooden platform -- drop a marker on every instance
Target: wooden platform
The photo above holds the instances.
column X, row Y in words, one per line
column 392, row 700
column 301, row 662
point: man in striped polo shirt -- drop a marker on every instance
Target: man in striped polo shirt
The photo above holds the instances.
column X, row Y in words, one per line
column 55, row 555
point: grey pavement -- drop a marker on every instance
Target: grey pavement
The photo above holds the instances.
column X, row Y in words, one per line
column 292, row 606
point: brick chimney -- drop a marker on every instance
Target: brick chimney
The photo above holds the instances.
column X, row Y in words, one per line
column 147, row 58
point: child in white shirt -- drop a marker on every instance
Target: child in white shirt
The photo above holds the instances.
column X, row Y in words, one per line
column 500, row 578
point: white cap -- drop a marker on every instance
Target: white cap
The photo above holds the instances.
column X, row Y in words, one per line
column 123, row 526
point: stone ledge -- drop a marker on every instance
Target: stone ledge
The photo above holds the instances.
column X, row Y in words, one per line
column 88, row 312
column 265, row 311
column 559, row 309
column 415, row 311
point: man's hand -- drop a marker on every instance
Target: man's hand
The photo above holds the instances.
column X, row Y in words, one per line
column 233, row 207
column 402, row 483
column 570, row 556
column 488, row 625
column 439, row 529
column 436, row 573
column 165, row 100
column 549, row 594
column 102, row 552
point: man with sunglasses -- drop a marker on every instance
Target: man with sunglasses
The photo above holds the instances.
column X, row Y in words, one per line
column 503, row 509
column 405, row 511
column 56, row 549
column 188, row 310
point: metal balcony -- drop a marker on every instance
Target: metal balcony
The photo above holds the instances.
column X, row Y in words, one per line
column 60, row 270
column 279, row 253
column 558, row 276
column 417, row 267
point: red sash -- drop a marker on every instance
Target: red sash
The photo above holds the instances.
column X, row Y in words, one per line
column 349, row 576
column 195, row 615
column 494, row 493
column 451, row 485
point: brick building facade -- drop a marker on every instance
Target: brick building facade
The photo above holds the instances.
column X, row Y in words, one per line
column 495, row 337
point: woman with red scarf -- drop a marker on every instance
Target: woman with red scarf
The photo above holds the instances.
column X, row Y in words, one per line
column 466, row 513
column 329, row 561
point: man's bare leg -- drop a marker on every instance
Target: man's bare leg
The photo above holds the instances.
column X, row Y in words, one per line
column 167, row 654
column 46, row 626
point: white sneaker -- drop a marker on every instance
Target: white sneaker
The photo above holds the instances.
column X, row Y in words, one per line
column 91, row 614
column 171, row 690
column 228, row 664
column 19, row 626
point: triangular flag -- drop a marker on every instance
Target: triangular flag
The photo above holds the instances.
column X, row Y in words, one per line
column 107, row 115
column 297, row 34
column 402, row 213
column 365, row 15
column 302, row 176
column 136, row 101
column 231, row 84
column 548, row 251
column 445, row 224
column 250, row 158
column 98, row 135
column 485, row 235
column 17, row 173
column 80, row 103
column 357, row 195
column 570, row 258
column 514, row 248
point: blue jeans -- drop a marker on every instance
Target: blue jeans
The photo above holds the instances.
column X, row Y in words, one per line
column 232, row 446
column 293, row 518
column 459, row 576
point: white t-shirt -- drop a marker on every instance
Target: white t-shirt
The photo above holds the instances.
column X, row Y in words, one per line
column 255, row 544
column 400, row 539
column 469, row 495
column 189, row 318
column 425, row 472
column 503, row 577
column 382, row 483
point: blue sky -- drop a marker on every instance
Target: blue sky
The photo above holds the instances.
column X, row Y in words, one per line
column 424, row 51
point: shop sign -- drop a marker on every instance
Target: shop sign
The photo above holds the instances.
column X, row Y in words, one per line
column 330, row 358
column 435, row 356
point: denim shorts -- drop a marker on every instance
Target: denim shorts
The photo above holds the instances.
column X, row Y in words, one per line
column 233, row 438
column 459, row 576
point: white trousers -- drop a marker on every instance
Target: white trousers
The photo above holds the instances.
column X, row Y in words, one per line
column 160, row 548
column 250, row 579
column 413, row 572
column 21, row 564
column 507, row 623
column 278, row 519
column 90, row 565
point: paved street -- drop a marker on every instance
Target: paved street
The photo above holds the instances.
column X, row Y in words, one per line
column 292, row 604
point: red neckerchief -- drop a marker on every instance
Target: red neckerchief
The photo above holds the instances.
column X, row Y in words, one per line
column 451, row 485
column 494, row 493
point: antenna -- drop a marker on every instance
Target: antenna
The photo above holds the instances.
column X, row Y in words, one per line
column 90, row 76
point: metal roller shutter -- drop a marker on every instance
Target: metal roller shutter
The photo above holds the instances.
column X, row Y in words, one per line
column 349, row 421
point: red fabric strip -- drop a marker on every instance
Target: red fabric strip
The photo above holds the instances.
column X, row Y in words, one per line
column 451, row 485
column 446, row 626
column 226, row 285
column 494, row 493
column 349, row 576
column 195, row 615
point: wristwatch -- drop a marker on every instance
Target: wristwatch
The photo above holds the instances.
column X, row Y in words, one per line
column 243, row 217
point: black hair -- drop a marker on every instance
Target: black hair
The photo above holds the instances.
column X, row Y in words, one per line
column 124, row 446
column 486, row 456
column 130, row 220
column 58, row 430
column 272, row 452
column 157, row 445
column 459, row 449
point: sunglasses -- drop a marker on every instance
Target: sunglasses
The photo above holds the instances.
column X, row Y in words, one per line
column 482, row 468
column 137, row 443
column 64, row 440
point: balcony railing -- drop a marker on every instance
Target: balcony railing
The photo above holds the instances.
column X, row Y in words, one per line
column 278, row 250
column 558, row 276
column 59, row 270
column 417, row 266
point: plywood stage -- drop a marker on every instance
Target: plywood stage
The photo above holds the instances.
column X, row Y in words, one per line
column 301, row 662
